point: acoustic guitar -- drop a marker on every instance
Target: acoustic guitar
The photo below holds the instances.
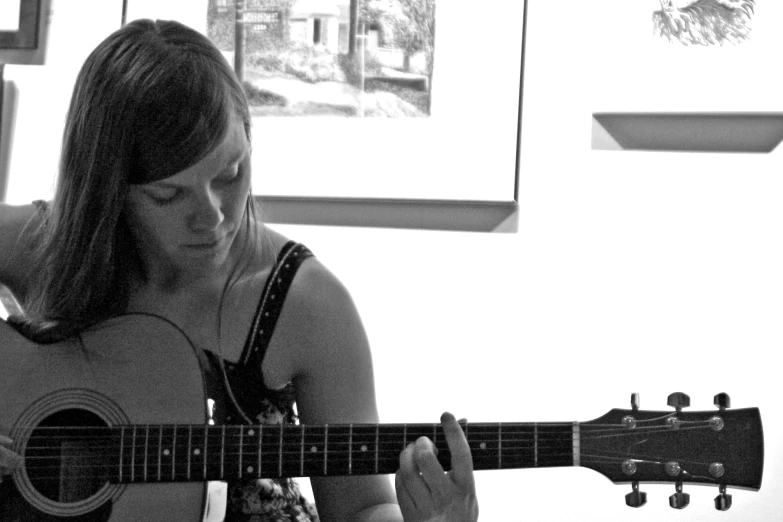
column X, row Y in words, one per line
column 117, row 427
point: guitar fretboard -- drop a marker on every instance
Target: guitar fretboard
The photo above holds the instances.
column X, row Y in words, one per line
column 169, row 453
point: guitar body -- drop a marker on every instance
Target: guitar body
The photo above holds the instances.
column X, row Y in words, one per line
column 132, row 370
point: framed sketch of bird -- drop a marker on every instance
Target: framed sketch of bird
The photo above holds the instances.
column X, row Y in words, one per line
column 704, row 22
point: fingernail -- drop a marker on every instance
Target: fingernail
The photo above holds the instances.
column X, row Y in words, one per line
column 6, row 440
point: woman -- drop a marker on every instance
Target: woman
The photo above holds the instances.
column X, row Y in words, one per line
column 153, row 213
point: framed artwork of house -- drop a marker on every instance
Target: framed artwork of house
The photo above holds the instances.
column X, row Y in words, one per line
column 370, row 112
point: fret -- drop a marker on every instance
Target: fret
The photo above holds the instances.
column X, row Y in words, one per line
column 556, row 445
column 248, row 447
column 339, row 445
column 391, row 441
column 196, row 453
column 535, row 445
column 414, row 432
column 326, row 446
column 483, row 444
column 206, row 450
column 313, row 454
column 291, row 449
column 190, row 447
column 260, row 448
column 181, row 453
column 350, row 449
column 146, row 450
column 122, row 453
column 214, row 452
column 364, row 448
column 280, row 453
column 160, row 452
column 133, row 455
column 270, row 446
column 377, row 448
column 301, row 453
column 222, row 451
column 166, row 444
column 515, row 448
column 241, row 451
column 500, row 446
column 232, row 454
column 174, row 453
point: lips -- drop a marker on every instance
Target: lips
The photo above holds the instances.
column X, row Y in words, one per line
column 206, row 245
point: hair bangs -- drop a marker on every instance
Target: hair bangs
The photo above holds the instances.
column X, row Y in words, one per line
column 181, row 122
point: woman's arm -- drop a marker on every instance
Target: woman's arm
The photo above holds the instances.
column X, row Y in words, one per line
column 17, row 227
column 325, row 348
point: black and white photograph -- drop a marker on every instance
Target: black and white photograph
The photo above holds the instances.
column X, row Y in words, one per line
column 331, row 260
column 299, row 58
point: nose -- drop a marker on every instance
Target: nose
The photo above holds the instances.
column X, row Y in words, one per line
column 207, row 213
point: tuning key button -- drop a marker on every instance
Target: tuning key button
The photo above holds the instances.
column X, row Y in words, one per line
column 722, row 401
column 673, row 468
column 717, row 470
column 679, row 400
column 679, row 500
column 723, row 500
column 635, row 401
column 636, row 498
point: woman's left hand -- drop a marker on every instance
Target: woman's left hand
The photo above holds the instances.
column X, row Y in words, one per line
column 427, row 493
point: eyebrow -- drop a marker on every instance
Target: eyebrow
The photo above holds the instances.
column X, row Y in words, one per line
column 234, row 158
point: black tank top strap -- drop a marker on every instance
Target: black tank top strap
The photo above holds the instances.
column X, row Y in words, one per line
column 270, row 305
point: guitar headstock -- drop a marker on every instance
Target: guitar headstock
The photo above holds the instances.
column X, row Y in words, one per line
column 723, row 448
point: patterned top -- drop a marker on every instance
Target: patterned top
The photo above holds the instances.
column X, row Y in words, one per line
column 265, row 500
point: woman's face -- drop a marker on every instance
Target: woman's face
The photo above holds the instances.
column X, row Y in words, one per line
column 185, row 225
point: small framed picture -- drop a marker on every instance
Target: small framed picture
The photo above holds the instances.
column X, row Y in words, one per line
column 19, row 21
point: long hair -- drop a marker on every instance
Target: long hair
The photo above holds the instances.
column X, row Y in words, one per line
column 151, row 100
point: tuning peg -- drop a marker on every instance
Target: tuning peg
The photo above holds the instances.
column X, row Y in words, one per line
column 723, row 500
column 635, row 401
column 722, row 401
column 679, row 500
column 636, row 498
column 679, row 400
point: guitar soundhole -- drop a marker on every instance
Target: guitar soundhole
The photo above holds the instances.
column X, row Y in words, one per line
column 67, row 454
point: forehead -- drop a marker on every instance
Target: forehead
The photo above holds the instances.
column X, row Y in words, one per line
column 233, row 147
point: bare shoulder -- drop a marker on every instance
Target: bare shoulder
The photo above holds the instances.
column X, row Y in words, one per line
column 319, row 330
column 17, row 226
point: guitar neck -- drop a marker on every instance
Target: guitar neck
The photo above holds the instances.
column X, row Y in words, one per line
column 177, row 453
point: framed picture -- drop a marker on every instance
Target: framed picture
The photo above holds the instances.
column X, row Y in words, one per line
column 19, row 21
column 377, row 112
column 688, row 75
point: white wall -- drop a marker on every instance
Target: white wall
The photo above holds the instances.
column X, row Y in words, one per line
column 631, row 272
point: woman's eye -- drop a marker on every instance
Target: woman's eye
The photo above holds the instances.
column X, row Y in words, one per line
column 232, row 175
column 164, row 199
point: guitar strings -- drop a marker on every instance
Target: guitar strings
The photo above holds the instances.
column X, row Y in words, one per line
column 158, row 466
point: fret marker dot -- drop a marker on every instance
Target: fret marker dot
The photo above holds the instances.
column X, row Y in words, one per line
column 166, row 452
column 314, row 449
column 250, row 469
column 364, row 447
column 251, row 432
column 483, row 445
column 197, row 451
